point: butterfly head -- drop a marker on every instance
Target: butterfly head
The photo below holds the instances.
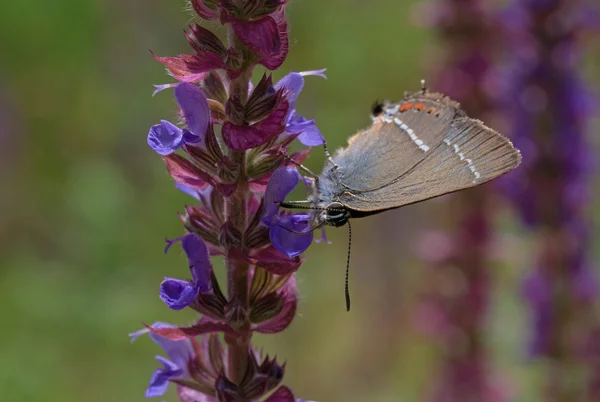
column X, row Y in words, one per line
column 335, row 214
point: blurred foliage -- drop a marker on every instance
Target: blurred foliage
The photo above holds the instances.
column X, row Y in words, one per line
column 86, row 206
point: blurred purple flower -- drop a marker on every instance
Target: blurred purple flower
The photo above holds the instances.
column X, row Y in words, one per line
column 178, row 294
column 457, row 295
column 550, row 107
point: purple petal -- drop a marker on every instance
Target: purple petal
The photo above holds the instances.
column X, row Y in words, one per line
column 204, row 11
column 243, row 137
column 199, row 259
column 162, row 87
column 190, row 138
column 185, row 172
column 309, row 133
column 201, row 195
column 308, row 182
column 274, row 261
column 186, row 394
column 311, row 136
column 294, row 82
column 290, row 243
column 318, row 73
column 177, row 294
column 323, row 237
column 171, row 242
column 262, row 35
column 281, row 183
column 194, row 105
column 275, row 60
column 138, row 333
column 159, row 382
column 165, row 138
column 188, row 190
column 282, row 394
column 204, row 326
column 180, row 352
column 191, row 68
column 296, row 123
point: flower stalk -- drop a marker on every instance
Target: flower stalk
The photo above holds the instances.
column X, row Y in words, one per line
column 549, row 112
column 230, row 152
column 456, row 299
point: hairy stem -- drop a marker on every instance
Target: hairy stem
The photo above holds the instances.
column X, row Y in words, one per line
column 238, row 271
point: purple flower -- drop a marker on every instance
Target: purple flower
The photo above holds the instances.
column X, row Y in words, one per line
column 282, row 233
column 180, row 353
column 166, row 138
column 177, row 293
column 282, row 226
column 309, row 133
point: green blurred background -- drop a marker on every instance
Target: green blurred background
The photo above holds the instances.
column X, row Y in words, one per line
column 87, row 205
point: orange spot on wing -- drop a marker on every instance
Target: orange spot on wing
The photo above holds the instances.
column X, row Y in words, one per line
column 406, row 106
column 411, row 105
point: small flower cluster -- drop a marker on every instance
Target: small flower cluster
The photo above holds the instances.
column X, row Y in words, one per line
column 229, row 152
column 549, row 107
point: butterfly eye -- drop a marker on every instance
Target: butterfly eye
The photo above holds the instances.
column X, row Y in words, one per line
column 377, row 108
column 336, row 214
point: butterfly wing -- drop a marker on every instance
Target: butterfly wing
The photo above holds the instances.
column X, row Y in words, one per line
column 422, row 148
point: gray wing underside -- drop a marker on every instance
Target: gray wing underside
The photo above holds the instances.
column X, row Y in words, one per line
column 378, row 155
column 391, row 170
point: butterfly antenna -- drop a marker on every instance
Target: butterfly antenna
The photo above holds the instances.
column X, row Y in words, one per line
column 294, row 205
column 423, row 87
column 347, row 292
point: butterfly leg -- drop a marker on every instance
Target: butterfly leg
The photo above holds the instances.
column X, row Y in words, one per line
column 328, row 155
column 301, row 167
